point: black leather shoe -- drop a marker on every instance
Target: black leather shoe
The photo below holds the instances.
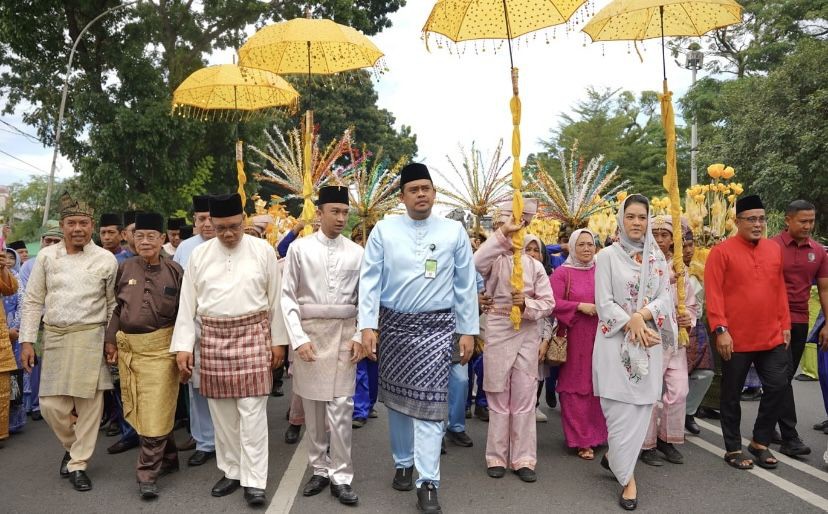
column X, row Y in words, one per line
column 650, row 457
column 358, row 422
column 315, row 485
column 64, row 465
column 794, row 448
column 496, row 471
column 819, row 426
column 481, row 412
column 200, row 457
column 122, row 446
column 148, row 490
column 627, row 504
column 80, row 480
column 691, row 425
column 292, row 434
column 427, row 499
column 459, row 438
column 346, row 495
column 670, row 452
column 36, row 416
column 527, row 475
column 254, row 496
column 224, row 487
column 708, row 413
column 403, row 479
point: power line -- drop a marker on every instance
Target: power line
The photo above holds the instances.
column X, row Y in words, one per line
column 22, row 133
column 21, row 160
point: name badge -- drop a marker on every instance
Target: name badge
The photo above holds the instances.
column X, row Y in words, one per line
column 430, row 268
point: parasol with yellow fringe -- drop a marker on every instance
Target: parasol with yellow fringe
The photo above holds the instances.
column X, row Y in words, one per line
column 227, row 92
column 636, row 20
column 467, row 20
column 309, row 46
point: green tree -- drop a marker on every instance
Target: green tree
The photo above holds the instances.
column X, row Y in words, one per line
column 626, row 130
column 25, row 209
column 773, row 129
column 118, row 134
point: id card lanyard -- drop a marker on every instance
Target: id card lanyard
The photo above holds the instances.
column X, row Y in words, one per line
column 430, row 264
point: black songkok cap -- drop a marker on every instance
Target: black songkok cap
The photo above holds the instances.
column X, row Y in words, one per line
column 149, row 221
column 748, row 203
column 201, row 203
column 333, row 194
column 109, row 219
column 185, row 232
column 414, row 171
column 129, row 218
column 174, row 223
column 224, row 206
column 17, row 245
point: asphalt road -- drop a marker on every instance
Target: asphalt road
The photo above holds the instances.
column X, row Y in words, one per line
column 29, row 481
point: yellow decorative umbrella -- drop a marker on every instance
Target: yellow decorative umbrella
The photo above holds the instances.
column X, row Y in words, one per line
column 313, row 47
column 227, row 92
column 636, row 20
column 465, row 20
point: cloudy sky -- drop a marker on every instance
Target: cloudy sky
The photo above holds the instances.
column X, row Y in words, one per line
column 450, row 99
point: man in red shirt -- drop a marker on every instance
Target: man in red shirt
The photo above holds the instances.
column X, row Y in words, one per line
column 747, row 308
column 804, row 262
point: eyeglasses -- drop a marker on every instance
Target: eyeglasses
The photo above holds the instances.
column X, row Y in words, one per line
column 220, row 229
column 150, row 238
column 753, row 220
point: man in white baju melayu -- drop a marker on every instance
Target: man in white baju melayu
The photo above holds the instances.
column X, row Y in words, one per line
column 232, row 284
column 319, row 300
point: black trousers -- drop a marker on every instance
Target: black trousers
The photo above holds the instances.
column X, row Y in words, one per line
column 772, row 366
column 787, row 418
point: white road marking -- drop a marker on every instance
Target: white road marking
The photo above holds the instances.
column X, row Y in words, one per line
column 789, row 487
column 285, row 494
column 801, row 466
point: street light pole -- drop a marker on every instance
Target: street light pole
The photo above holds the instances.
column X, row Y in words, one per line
column 695, row 59
column 59, row 124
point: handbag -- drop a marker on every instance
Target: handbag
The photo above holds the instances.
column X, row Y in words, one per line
column 556, row 353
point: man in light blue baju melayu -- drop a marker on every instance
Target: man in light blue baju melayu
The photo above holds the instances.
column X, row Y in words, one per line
column 417, row 288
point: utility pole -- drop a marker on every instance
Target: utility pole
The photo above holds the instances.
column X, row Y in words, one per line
column 695, row 60
column 59, row 124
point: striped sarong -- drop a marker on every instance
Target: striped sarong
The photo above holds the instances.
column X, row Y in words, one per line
column 414, row 360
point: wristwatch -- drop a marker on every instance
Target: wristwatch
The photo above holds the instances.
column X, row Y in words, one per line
column 721, row 329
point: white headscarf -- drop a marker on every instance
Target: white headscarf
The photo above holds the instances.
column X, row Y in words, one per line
column 571, row 260
column 647, row 248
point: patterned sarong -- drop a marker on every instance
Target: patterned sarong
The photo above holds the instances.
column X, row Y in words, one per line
column 73, row 363
column 414, row 361
column 149, row 381
column 235, row 356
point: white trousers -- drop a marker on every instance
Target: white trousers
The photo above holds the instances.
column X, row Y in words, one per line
column 335, row 415
column 241, row 438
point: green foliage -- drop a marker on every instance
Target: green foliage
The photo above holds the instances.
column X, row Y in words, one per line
column 772, row 129
column 626, row 130
column 126, row 148
column 27, row 203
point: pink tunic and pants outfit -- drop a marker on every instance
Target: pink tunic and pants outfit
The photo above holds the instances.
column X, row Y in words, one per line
column 667, row 421
column 511, row 357
column 581, row 414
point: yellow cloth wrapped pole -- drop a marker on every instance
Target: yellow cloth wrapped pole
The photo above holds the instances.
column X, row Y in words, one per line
column 308, row 209
column 240, row 170
column 672, row 186
column 517, row 198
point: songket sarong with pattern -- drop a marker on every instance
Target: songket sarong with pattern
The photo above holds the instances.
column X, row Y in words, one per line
column 149, row 381
column 73, row 361
column 414, row 360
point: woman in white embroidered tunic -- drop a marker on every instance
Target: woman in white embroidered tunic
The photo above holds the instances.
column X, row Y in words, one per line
column 634, row 309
